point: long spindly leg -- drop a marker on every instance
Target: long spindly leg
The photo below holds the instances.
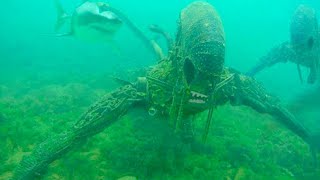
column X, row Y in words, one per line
column 313, row 73
column 282, row 53
column 99, row 116
column 208, row 123
column 247, row 91
column 187, row 135
column 300, row 73
column 252, row 94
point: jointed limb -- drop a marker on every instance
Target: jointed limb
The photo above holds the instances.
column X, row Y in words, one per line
column 246, row 91
column 282, row 53
column 99, row 116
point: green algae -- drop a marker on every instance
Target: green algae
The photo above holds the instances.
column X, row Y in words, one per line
column 242, row 143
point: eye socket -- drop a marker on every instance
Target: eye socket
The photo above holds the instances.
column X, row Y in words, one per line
column 310, row 42
column 189, row 70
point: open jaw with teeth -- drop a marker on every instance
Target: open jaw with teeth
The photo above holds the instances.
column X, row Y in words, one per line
column 198, row 98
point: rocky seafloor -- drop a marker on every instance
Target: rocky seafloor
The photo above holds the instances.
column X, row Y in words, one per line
column 242, row 143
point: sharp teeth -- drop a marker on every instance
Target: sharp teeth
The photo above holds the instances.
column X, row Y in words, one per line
column 196, row 94
column 204, row 96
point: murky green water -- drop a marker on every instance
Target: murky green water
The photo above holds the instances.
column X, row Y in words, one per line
column 48, row 82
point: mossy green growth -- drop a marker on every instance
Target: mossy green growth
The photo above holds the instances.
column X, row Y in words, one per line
column 242, row 143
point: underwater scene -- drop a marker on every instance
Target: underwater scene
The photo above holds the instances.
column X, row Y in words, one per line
column 160, row 90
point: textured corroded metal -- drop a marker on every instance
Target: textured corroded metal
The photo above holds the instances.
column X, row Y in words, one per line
column 302, row 49
column 201, row 37
column 200, row 40
column 100, row 115
column 304, row 28
column 305, row 40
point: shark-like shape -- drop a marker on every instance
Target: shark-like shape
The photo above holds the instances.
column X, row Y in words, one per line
column 89, row 22
column 303, row 48
column 98, row 22
column 189, row 81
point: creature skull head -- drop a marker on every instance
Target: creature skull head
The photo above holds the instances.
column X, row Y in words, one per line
column 305, row 39
column 304, row 29
column 201, row 41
